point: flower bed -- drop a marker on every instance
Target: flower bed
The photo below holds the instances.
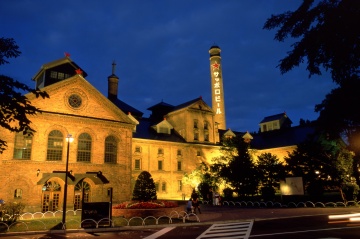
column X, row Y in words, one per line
column 145, row 209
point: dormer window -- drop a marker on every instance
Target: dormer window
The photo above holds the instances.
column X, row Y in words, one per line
column 164, row 127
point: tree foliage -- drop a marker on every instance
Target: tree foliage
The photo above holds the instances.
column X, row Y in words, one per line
column 270, row 170
column 14, row 105
column 144, row 189
column 236, row 167
column 328, row 37
column 320, row 161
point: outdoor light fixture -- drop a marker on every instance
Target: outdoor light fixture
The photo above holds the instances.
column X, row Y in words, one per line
column 37, row 172
column 69, row 139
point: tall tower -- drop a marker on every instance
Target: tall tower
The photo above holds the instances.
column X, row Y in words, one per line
column 217, row 89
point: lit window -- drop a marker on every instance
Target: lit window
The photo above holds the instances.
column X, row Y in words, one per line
column 18, row 193
column 61, row 76
column 137, row 164
column 22, row 147
column 206, row 136
column 84, row 148
column 179, row 168
column 110, row 149
column 206, row 125
column 160, row 165
column 138, row 149
column 195, row 124
column 55, row 146
column 179, row 185
column 53, row 74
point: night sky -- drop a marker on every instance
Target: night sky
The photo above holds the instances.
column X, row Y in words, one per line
column 161, row 50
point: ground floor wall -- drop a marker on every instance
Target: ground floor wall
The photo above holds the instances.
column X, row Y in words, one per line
column 40, row 185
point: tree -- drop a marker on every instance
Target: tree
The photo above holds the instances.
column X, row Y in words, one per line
column 329, row 40
column 236, row 167
column 144, row 189
column 14, row 106
column 329, row 37
column 322, row 163
column 270, row 169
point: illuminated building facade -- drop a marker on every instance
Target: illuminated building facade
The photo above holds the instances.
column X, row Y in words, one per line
column 113, row 143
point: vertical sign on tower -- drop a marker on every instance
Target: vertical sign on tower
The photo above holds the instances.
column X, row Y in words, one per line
column 217, row 89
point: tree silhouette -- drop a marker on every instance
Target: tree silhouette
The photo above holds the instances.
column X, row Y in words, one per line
column 144, row 189
column 14, row 106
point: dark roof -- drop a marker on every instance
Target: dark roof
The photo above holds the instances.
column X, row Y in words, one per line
column 186, row 104
column 127, row 108
column 145, row 131
column 160, row 105
column 282, row 137
column 214, row 46
column 274, row 117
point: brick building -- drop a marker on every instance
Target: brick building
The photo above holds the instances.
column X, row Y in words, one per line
column 112, row 144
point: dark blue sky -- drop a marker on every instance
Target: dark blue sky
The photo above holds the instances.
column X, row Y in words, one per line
column 161, row 50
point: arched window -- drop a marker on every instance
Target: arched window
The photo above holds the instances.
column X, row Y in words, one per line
column 110, row 149
column 82, row 189
column 22, row 147
column 84, row 148
column 55, row 146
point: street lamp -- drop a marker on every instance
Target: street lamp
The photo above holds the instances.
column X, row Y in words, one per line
column 69, row 139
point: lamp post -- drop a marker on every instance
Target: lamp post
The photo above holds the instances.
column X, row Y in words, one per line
column 69, row 139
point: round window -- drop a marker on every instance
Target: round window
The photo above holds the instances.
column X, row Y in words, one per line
column 75, row 101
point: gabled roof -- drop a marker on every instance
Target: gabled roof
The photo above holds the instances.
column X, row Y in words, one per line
column 275, row 117
column 62, row 61
column 186, row 104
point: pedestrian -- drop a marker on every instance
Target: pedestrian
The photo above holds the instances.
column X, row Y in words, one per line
column 189, row 207
column 195, row 204
column 217, row 195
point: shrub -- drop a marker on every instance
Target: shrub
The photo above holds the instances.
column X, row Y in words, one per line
column 351, row 191
column 145, row 205
column 315, row 190
column 268, row 193
column 228, row 194
column 11, row 211
column 144, row 189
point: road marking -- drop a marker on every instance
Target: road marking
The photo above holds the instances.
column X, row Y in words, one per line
column 234, row 230
column 159, row 233
column 305, row 231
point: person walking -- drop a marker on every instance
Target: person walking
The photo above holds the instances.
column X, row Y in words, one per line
column 189, row 207
column 195, row 204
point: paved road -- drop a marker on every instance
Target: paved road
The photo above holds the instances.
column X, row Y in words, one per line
column 264, row 223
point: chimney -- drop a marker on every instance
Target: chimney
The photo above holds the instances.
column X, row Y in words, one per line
column 113, row 81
